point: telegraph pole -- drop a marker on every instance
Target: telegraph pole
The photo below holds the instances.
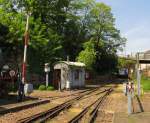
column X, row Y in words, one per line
column 138, row 76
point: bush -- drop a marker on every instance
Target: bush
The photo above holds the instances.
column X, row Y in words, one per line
column 42, row 87
column 50, row 88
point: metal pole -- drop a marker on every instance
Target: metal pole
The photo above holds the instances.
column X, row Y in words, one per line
column 130, row 95
column 25, row 51
column 138, row 77
column 129, row 103
column 139, row 82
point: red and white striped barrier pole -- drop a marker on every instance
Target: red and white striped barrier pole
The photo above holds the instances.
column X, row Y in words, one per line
column 25, row 51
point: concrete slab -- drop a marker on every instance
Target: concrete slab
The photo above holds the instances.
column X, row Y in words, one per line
column 134, row 118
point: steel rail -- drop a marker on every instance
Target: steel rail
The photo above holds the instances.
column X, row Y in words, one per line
column 53, row 111
column 23, row 106
column 74, row 94
column 98, row 102
column 93, row 114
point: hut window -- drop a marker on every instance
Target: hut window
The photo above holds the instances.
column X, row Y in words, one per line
column 77, row 75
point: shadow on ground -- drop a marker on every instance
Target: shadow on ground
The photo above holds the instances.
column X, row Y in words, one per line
column 12, row 99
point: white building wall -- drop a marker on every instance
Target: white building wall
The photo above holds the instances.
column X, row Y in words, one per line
column 144, row 66
column 62, row 79
column 83, row 78
column 80, row 82
column 68, row 79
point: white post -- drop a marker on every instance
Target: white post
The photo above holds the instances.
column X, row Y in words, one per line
column 138, row 76
column 47, row 70
column 129, row 103
column 138, row 82
column 129, row 96
column 47, row 79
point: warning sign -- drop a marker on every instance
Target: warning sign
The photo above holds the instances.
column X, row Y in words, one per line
column 12, row 73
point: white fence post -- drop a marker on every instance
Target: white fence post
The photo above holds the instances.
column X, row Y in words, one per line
column 138, row 82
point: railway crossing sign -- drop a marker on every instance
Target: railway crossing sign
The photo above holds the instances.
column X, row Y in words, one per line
column 12, row 73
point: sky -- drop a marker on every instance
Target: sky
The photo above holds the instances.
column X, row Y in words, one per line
column 133, row 20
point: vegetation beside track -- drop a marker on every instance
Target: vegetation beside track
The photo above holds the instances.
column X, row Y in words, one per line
column 145, row 82
column 43, row 87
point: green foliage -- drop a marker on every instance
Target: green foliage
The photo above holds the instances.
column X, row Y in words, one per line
column 85, row 30
column 42, row 87
column 88, row 55
column 4, row 30
column 125, row 63
column 100, row 24
column 145, row 82
column 50, row 88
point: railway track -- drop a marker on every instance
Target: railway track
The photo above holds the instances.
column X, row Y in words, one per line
column 74, row 94
column 23, row 106
column 51, row 113
column 37, row 102
column 69, row 95
column 93, row 113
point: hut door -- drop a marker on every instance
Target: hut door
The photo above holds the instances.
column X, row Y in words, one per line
column 57, row 78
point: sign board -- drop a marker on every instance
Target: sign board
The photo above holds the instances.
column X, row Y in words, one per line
column 12, row 73
column 47, row 68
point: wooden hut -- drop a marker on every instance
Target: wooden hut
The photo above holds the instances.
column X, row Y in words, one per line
column 68, row 75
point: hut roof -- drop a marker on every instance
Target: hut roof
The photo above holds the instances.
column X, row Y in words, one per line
column 75, row 64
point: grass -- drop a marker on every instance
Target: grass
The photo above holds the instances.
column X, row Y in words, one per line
column 145, row 82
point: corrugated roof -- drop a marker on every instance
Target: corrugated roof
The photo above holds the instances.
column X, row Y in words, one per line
column 78, row 64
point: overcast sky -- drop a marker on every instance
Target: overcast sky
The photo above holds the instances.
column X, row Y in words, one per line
column 133, row 20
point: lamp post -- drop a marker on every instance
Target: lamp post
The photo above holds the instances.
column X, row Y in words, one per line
column 47, row 70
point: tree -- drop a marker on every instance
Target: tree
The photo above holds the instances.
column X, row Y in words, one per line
column 83, row 29
column 106, row 38
column 44, row 40
column 88, row 55
column 4, row 30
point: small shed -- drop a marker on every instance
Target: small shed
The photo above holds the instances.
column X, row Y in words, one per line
column 69, row 75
